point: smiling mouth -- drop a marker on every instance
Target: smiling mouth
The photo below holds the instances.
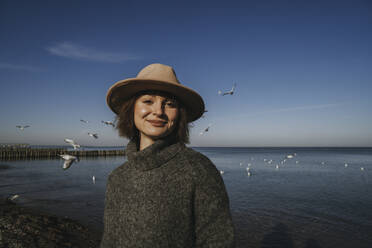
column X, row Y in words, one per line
column 158, row 123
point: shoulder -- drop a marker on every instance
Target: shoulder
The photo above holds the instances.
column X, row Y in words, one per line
column 200, row 165
column 117, row 173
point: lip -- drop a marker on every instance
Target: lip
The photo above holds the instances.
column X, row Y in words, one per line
column 157, row 123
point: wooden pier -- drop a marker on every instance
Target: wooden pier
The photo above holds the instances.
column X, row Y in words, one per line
column 9, row 153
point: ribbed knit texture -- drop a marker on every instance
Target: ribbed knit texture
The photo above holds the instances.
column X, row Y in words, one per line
column 166, row 195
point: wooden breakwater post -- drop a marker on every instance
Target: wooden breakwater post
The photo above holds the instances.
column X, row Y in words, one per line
column 39, row 153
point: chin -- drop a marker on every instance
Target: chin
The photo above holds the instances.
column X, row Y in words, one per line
column 156, row 135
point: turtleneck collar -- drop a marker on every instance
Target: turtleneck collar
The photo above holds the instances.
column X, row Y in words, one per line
column 152, row 156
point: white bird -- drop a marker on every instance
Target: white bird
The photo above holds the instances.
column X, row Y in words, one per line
column 94, row 179
column 290, row 156
column 69, row 159
column 22, row 127
column 93, row 135
column 346, row 165
column 73, row 143
column 277, row 167
column 222, row 172
column 206, row 130
column 230, row 92
column 362, row 168
column 108, row 123
column 12, row 197
column 84, row 121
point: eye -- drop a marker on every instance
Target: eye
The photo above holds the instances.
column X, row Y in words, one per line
column 147, row 101
column 171, row 104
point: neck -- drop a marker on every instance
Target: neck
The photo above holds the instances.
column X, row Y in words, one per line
column 145, row 141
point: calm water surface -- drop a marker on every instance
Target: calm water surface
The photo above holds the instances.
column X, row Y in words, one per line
column 311, row 200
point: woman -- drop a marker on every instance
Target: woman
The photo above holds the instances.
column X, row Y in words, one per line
column 165, row 195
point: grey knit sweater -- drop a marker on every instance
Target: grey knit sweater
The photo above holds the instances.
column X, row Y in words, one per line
column 166, row 195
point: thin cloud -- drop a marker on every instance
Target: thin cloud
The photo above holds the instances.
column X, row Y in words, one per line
column 308, row 107
column 19, row 67
column 73, row 51
column 290, row 109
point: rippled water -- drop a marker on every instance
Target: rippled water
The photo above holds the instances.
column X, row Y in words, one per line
column 316, row 202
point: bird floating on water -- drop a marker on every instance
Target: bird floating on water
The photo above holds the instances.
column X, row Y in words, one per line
column 93, row 135
column 73, row 143
column 69, row 159
column 290, row 156
column 94, row 179
column 230, row 92
column 84, row 121
column 22, row 127
column 222, row 172
column 108, row 123
column 12, row 198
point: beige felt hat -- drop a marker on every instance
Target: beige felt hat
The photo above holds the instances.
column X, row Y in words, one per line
column 156, row 77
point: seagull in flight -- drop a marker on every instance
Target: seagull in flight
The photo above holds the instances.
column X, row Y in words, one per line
column 206, row 130
column 230, row 92
column 69, row 159
column 93, row 135
column 72, row 142
column 22, row 127
column 84, row 121
column 108, row 123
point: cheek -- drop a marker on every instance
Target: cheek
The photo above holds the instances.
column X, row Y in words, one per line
column 173, row 118
column 140, row 111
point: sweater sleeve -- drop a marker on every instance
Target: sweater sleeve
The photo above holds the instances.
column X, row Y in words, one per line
column 213, row 222
column 108, row 229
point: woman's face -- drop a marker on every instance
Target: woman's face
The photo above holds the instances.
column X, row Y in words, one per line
column 155, row 115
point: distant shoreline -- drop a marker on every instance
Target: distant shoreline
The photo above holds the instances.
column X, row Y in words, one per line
column 15, row 153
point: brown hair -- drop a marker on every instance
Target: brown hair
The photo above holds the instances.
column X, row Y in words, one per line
column 127, row 129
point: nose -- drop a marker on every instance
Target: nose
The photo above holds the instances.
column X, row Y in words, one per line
column 158, row 108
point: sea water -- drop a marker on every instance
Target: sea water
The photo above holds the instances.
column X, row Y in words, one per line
column 322, row 197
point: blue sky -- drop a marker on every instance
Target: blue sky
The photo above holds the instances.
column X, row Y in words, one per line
column 302, row 68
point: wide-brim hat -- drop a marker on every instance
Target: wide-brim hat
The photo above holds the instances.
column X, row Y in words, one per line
column 160, row 78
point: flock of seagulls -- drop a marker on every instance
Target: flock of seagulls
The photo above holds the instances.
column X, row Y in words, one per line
column 277, row 165
column 70, row 159
column 221, row 93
